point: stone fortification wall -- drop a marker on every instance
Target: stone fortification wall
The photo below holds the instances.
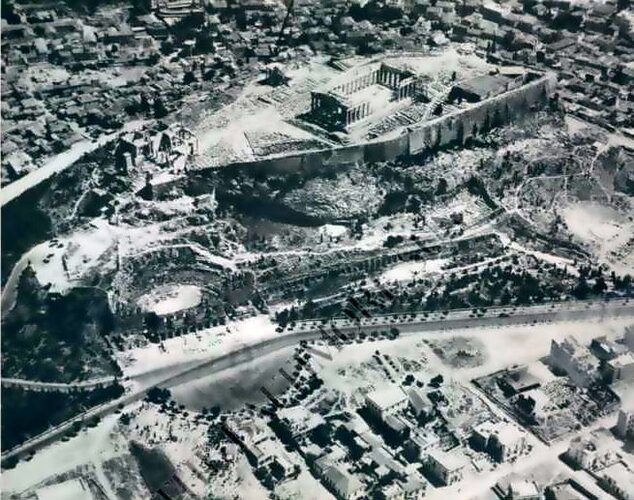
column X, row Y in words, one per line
column 454, row 127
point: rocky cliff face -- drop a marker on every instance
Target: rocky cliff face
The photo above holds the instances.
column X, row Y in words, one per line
column 348, row 196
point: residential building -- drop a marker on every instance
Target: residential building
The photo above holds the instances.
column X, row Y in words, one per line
column 564, row 491
column 420, row 442
column 346, row 486
column 419, row 402
column 523, row 489
column 618, row 479
column 621, row 367
column 625, row 422
column 387, row 401
column 518, row 379
column 413, row 488
column 606, row 349
column 299, row 420
column 447, row 467
column 575, row 360
column 593, row 451
column 534, row 404
column 502, row 440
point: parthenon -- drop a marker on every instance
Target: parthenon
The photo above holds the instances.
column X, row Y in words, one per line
column 361, row 94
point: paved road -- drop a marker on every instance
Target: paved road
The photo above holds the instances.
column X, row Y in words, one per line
column 466, row 318
column 61, row 162
column 496, row 317
column 34, row 385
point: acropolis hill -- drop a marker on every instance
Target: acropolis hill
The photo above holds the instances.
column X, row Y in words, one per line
column 362, row 108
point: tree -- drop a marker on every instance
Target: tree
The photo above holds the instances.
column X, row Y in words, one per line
column 442, row 187
column 189, row 77
column 158, row 396
column 204, row 43
column 599, row 285
column 160, row 111
column 582, row 289
column 152, row 321
column 8, row 13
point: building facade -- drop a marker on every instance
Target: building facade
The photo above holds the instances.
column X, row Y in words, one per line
column 621, row 367
column 386, row 402
column 575, row 360
column 625, row 422
column 446, row 467
column 502, row 440
column 594, row 451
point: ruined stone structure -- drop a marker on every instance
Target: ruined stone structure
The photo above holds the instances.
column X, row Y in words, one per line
column 351, row 100
column 169, row 148
column 457, row 127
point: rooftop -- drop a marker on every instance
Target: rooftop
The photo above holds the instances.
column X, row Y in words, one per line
column 625, row 359
column 345, row 483
column 387, row 397
column 523, row 488
column 449, row 461
column 302, row 417
column 505, row 432
column 485, row 85
column 620, row 475
column 73, row 489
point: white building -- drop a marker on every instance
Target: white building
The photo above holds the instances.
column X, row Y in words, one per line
column 346, row 486
column 575, row 360
column 621, row 367
column 502, row 440
column 447, row 467
column 523, row 489
column 419, row 402
column 629, row 337
column 618, row 479
column 385, row 402
column 73, row 489
column 299, row 420
column 625, row 422
column 593, row 451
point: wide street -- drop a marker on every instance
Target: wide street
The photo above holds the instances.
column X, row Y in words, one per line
column 460, row 319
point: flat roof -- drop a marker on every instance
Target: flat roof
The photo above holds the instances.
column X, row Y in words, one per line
column 621, row 475
column 387, row 397
column 73, row 489
column 523, row 488
column 484, row 84
column 622, row 360
column 450, row 461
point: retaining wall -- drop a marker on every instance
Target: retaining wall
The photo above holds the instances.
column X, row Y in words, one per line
column 454, row 127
